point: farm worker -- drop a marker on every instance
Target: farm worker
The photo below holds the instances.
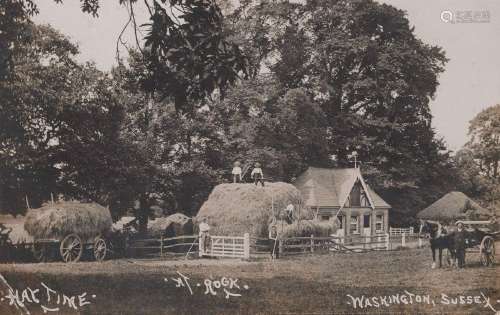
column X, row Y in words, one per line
column 257, row 174
column 236, row 172
column 204, row 235
column 273, row 240
column 460, row 244
column 289, row 213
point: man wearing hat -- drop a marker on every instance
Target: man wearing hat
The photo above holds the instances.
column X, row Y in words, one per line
column 257, row 174
column 460, row 241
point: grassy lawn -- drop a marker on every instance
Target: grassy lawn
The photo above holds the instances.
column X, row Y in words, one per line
column 318, row 284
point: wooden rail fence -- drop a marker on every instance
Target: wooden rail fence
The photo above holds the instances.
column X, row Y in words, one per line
column 178, row 245
column 242, row 246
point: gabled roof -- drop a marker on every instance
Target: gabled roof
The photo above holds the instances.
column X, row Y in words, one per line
column 330, row 187
column 452, row 206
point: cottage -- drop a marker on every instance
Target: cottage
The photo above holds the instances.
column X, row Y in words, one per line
column 343, row 195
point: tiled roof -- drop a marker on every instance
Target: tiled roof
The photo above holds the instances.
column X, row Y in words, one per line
column 325, row 187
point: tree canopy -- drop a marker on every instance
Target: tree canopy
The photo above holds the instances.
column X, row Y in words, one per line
column 366, row 79
column 289, row 85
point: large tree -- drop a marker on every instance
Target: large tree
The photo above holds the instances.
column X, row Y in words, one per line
column 361, row 64
column 478, row 162
column 60, row 127
column 484, row 132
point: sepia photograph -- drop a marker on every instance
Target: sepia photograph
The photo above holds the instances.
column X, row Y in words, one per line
column 249, row 157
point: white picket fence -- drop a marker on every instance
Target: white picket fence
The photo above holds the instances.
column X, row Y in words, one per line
column 227, row 247
column 401, row 231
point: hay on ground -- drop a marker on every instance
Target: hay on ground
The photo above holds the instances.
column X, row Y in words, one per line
column 174, row 225
column 62, row 218
column 235, row 209
column 306, row 228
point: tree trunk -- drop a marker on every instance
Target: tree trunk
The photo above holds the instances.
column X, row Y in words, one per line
column 143, row 215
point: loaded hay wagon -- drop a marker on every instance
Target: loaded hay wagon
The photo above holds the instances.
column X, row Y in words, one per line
column 481, row 239
column 69, row 230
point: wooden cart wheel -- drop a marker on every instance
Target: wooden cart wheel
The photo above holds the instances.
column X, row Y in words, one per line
column 40, row 252
column 487, row 251
column 71, row 248
column 100, row 249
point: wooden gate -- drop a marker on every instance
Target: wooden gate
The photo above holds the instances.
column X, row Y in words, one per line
column 227, row 247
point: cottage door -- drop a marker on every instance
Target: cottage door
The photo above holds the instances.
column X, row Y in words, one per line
column 367, row 230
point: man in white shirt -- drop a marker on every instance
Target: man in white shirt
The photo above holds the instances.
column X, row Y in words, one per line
column 204, row 235
column 236, row 172
column 257, row 174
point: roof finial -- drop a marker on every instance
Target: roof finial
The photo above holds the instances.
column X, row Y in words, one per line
column 354, row 155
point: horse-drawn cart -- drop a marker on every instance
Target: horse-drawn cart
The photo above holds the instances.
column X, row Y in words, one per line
column 70, row 248
column 69, row 231
column 481, row 239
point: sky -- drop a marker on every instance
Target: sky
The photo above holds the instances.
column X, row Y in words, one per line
column 470, row 83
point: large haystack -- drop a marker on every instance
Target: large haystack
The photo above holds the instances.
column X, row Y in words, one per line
column 234, row 209
column 454, row 206
column 62, row 218
column 174, row 225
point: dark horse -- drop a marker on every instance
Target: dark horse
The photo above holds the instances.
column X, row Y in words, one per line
column 438, row 239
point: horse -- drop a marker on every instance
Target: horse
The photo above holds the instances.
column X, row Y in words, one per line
column 438, row 239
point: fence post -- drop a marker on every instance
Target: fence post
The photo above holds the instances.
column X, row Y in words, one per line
column 246, row 245
column 312, row 243
column 200, row 248
column 387, row 241
column 411, row 230
column 161, row 246
column 419, row 242
column 403, row 240
column 280, row 247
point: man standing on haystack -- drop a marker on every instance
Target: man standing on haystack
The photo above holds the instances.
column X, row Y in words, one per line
column 257, row 174
column 204, row 235
column 236, row 172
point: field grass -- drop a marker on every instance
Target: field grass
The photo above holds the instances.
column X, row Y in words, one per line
column 316, row 284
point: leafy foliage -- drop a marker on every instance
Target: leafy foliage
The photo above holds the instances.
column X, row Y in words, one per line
column 188, row 56
column 484, row 132
column 286, row 84
column 60, row 130
column 367, row 78
column 478, row 162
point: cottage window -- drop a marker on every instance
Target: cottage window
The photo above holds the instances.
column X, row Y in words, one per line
column 354, row 225
column 379, row 223
column 325, row 217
